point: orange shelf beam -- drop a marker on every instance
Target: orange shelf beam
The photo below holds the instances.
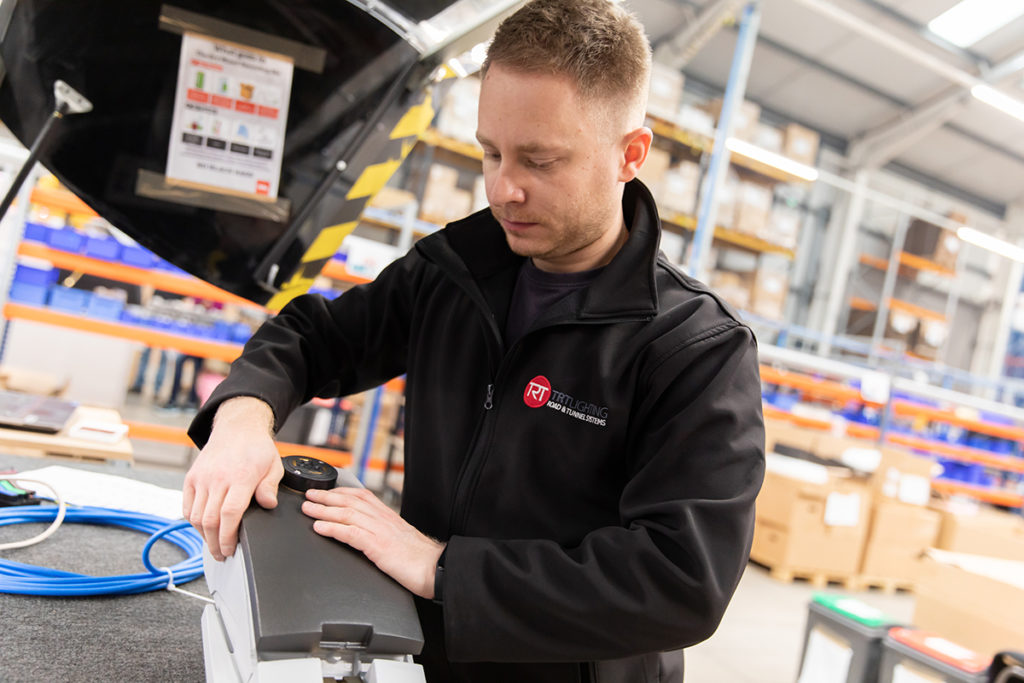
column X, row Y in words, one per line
column 61, row 200
column 961, row 453
column 862, row 304
column 908, row 409
column 336, row 271
column 155, row 338
column 988, row 495
column 161, row 280
column 817, row 387
column 910, row 261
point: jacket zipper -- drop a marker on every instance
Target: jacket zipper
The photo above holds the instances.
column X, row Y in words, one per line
column 479, row 446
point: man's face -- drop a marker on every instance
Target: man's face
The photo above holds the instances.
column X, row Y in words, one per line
column 551, row 165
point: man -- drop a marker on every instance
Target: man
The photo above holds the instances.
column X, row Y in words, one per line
column 583, row 433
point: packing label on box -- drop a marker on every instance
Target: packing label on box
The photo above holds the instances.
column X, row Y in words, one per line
column 827, row 659
column 842, row 509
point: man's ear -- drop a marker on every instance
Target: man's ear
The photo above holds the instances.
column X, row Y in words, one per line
column 637, row 144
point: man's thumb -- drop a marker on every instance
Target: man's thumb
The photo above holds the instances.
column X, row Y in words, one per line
column 266, row 492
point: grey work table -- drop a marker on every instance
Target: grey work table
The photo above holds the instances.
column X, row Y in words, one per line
column 146, row 637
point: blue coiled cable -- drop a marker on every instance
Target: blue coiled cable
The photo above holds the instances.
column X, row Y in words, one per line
column 28, row 579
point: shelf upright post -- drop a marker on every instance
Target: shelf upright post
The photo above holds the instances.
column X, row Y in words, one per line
column 719, row 166
column 888, row 287
column 844, row 259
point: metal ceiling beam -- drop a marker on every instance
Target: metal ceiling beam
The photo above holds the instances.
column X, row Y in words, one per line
column 682, row 44
column 883, row 143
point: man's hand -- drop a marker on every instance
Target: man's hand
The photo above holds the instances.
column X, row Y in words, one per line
column 240, row 459
column 358, row 518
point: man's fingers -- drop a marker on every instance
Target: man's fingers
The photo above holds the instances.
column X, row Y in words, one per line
column 266, row 490
column 210, row 521
column 236, row 502
column 188, row 496
column 355, row 536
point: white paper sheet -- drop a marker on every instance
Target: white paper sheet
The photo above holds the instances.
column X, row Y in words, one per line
column 80, row 487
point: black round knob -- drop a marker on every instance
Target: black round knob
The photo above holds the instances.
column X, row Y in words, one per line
column 302, row 473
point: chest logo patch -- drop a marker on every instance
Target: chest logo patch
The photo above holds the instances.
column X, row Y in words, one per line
column 538, row 393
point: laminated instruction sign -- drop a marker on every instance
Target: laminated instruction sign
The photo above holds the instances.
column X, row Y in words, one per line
column 230, row 112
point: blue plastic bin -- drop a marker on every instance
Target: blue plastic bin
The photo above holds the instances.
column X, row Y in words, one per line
column 66, row 239
column 240, row 332
column 26, row 293
column 36, row 232
column 105, row 248
column 28, row 275
column 69, row 300
column 104, row 307
column 137, row 256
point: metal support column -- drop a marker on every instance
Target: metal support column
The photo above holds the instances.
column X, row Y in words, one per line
column 844, row 259
column 719, row 167
column 888, row 288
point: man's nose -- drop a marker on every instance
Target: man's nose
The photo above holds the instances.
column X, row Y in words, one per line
column 506, row 188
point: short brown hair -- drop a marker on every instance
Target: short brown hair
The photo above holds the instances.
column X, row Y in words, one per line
column 600, row 46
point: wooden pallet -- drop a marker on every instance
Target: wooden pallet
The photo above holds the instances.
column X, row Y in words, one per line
column 818, row 579
column 886, row 585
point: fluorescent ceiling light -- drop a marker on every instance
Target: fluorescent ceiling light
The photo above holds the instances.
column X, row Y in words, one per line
column 778, row 161
column 985, row 241
column 969, row 21
column 1001, row 101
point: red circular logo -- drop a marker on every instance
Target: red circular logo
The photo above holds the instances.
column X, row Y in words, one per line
column 537, row 391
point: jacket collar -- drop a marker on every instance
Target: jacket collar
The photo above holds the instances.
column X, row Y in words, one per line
column 625, row 286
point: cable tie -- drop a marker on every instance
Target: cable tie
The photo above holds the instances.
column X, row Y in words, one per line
column 171, row 587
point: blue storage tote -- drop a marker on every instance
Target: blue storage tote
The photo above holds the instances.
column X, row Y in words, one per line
column 44, row 277
column 36, row 232
column 137, row 256
column 66, row 239
column 105, row 307
column 105, row 248
column 69, row 300
column 25, row 293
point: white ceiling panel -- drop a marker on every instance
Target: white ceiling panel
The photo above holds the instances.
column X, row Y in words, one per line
column 990, row 123
column 891, row 73
column 941, row 150
column 828, row 104
column 805, row 30
column 921, row 11
column 659, row 17
column 990, row 175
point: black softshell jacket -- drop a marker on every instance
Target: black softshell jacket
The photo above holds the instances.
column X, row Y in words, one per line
column 595, row 481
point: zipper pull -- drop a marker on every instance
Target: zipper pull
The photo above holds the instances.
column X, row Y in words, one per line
column 489, row 403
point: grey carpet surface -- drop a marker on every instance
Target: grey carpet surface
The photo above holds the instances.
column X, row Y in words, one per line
column 146, row 637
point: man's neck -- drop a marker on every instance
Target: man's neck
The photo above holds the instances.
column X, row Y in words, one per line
column 597, row 254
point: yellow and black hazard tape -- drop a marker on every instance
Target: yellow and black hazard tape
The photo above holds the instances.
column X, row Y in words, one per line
column 401, row 140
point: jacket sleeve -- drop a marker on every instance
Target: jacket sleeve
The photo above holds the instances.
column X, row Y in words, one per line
column 320, row 347
column 663, row 578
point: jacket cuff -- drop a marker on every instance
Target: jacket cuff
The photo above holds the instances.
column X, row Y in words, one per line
column 439, row 577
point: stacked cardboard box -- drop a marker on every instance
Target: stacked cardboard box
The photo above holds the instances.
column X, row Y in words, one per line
column 666, row 91
column 783, row 226
column 679, row 188
column 972, row 600
column 731, row 286
column 899, row 535
column 745, row 118
column 457, row 118
column 931, row 335
column 932, row 242
column 443, row 202
column 801, row 144
column 769, row 290
column 980, row 531
column 753, row 204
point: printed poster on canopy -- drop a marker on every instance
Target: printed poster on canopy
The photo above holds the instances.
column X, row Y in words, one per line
column 230, row 112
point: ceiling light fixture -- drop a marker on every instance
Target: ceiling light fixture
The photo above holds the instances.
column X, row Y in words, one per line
column 1001, row 101
column 969, row 21
column 986, row 241
column 745, row 149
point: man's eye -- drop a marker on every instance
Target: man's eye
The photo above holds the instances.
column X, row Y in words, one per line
column 492, row 156
column 540, row 165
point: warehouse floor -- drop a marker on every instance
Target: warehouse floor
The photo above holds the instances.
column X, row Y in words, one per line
column 761, row 637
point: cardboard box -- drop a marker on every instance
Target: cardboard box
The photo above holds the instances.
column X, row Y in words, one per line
column 753, row 205
column 696, row 120
column 457, row 118
column 768, row 294
column 976, row 602
column 932, row 242
column 931, row 335
column 897, row 538
column 652, row 173
column 786, row 433
column 733, row 287
column 801, row 144
column 903, row 477
column 745, row 118
column 811, row 527
column 442, row 201
column 783, row 226
column 981, row 531
column 678, row 190
column 666, row 91
column 768, row 137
